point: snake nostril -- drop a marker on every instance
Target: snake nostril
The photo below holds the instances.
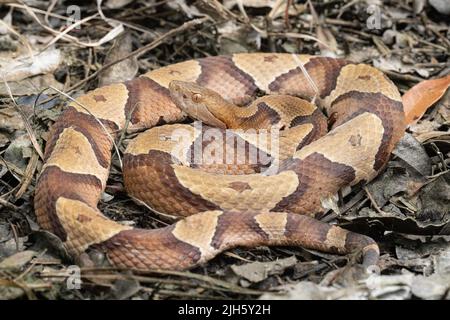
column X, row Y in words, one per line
column 184, row 96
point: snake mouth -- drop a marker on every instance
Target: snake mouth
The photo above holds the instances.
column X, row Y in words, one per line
column 203, row 114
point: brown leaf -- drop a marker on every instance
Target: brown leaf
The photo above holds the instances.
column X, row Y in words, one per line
column 124, row 70
column 423, row 95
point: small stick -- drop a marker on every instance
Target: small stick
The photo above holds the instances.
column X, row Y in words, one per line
column 308, row 77
column 28, row 175
column 8, row 205
column 374, row 203
column 142, row 50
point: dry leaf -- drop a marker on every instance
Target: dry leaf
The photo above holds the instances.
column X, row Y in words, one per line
column 28, row 86
column 396, row 64
column 17, row 260
column 124, row 70
column 10, row 120
column 423, row 95
column 443, row 6
column 413, row 153
column 258, row 271
column 24, row 66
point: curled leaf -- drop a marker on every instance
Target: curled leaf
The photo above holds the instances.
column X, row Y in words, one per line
column 423, row 95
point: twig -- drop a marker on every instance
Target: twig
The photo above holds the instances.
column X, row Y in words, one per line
column 172, row 218
column 28, row 127
column 12, row 168
column 49, row 10
column 8, row 205
column 372, row 200
column 58, row 16
column 187, row 274
column 72, row 26
column 143, row 49
column 32, row 264
column 28, row 175
column 65, row 36
column 242, row 10
column 308, row 77
column 399, row 76
column 298, row 36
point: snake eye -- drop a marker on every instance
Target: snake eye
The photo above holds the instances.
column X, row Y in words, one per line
column 197, row 97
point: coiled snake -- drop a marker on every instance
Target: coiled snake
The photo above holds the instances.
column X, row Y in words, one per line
column 233, row 203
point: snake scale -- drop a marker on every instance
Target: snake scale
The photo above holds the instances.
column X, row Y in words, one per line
column 222, row 206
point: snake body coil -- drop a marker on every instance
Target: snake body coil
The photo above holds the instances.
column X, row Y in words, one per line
column 224, row 205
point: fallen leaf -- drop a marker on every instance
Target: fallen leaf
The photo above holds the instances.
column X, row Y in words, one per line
column 420, row 254
column 4, row 139
column 28, row 86
column 125, row 288
column 379, row 287
column 423, row 95
column 403, row 177
column 413, row 153
column 233, row 38
column 25, row 66
column 430, row 288
column 396, row 65
column 10, row 292
column 258, row 271
column 435, row 200
column 18, row 260
column 304, row 290
column 10, row 246
column 443, row 6
column 10, row 120
column 124, row 70
column 44, row 240
column 362, row 55
column 442, row 261
column 18, row 150
column 368, row 219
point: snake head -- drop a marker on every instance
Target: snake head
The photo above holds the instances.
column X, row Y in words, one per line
column 198, row 102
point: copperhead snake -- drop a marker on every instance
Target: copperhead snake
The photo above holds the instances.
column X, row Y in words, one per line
column 223, row 206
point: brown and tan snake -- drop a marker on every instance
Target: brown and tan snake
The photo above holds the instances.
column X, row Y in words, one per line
column 222, row 205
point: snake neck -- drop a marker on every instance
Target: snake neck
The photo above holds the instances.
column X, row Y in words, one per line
column 231, row 115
